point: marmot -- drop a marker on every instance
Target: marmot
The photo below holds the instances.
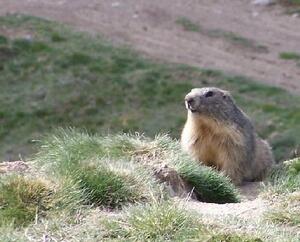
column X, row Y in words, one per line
column 221, row 135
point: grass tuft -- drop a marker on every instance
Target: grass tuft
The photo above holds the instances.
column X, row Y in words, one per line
column 166, row 222
column 230, row 37
column 3, row 40
column 97, row 164
column 209, row 185
column 285, row 178
column 22, row 200
column 113, row 185
column 98, row 167
column 289, row 56
column 290, row 3
column 284, row 189
column 188, row 25
column 285, row 216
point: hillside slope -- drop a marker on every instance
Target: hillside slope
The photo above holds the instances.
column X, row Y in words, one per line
column 230, row 30
column 52, row 76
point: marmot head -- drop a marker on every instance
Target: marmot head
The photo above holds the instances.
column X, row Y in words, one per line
column 209, row 101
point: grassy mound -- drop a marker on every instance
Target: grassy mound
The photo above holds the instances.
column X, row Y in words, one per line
column 75, row 173
column 167, row 222
column 119, row 162
column 28, row 199
column 103, row 179
column 158, row 221
column 284, row 188
column 52, row 76
column 22, row 200
column 285, row 178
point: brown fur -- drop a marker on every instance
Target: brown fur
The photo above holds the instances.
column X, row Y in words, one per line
column 223, row 145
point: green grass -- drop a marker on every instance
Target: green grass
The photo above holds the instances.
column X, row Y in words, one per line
column 82, row 184
column 285, row 210
column 167, row 222
column 188, row 25
column 207, row 184
column 64, row 78
column 231, row 37
column 109, row 187
column 105, row 177
column 3, row 40
column 292, row 7
column 285, row 187
column 22, row 200
column 111, row 169
column 29, row 199
column 290, row 2
column 285, row 216
column 290, row 56
column 82, row 173
column 286, row 177
column 237, row 40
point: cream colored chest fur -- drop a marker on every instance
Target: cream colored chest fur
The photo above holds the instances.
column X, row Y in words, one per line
column 209, row 141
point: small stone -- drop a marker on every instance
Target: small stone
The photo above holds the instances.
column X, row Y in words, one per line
column 263, row 2
column 115, row 4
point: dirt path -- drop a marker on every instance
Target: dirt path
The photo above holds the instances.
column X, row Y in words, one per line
column 251, row 206
column 150, row 27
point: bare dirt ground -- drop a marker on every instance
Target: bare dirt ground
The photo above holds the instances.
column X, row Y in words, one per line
column 150, row 27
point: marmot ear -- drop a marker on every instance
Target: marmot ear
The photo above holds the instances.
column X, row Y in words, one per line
column 225, row 95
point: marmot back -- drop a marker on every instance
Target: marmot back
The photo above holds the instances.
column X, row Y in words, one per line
column 219, row 134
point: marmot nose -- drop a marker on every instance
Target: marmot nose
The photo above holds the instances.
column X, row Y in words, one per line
column 189, row 100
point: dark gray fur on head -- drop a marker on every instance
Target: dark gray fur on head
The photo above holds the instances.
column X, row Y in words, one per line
column 215, row 103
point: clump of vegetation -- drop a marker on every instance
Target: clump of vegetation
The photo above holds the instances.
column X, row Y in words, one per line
column 292, row 6
column 285, row 178
column 22, row 200
column 188, row 25
column 230, row 37
column 285, row 214
column 112, row 185
column 238, row 40
column 104, row 180
column 166, row 222
column 285, row 187
column 290, row 56
column 208, row 184
column 111, row 169
column 290, row 2
column 30, row 199
column 160, row 222
column 3, row 40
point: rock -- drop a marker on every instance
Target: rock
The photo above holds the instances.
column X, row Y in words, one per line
column 174, row 184
column 263, row 2
column 115, row 4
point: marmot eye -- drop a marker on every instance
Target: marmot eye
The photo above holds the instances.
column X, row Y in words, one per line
column 209, row 94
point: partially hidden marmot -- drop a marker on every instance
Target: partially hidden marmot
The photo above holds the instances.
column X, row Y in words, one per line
column 221, row 135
